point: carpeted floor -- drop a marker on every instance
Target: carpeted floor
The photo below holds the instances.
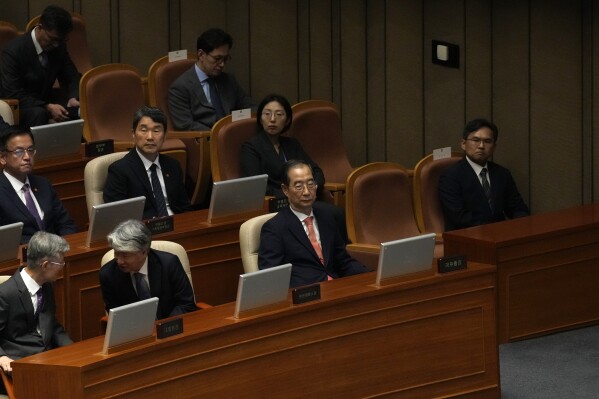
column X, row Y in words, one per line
column 558, row 366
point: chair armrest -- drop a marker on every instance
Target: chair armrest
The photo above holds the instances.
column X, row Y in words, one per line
column 191, row 134
column 203, row 305
column 367, row 254
column 333, row 186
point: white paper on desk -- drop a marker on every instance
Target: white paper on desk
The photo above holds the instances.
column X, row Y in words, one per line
column 240, row 114
column 177, row 55
column 441, row 153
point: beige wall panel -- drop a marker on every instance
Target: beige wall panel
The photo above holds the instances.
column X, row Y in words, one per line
column 375, row 78
column 97, row 22
column 478, row 59
column 555, row 104
column 37, row 6
column 136, row 19
column 353, row 54
column 595, row 107
column 321, row 52
column 404, row 101
column 511, row 89
column 444, row 96
column 274, row 60
column 303, row 49
column 15, row 12
column 238, row 26
column 199, row 15
column 587, row 101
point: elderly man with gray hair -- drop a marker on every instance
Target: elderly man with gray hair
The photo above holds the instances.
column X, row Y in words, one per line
column 28, row 322
column 138, row 272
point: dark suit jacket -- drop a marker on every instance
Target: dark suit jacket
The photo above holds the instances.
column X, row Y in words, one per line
column 18, row 335
column 3, row 124
column 13, row 210
column 127, row 178
column 284, row 240
column 464, row 202
column 168, row 282
column 258, row 156
column 24, row 78
column 190, row 109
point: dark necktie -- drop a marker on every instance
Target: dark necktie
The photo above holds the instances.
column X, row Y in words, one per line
column 31, row 205
column 486, row 185
column 44, row 59
column 40, row 303
column 158, row 194
column 143, row 291
column 215, row 99
column 312, row 236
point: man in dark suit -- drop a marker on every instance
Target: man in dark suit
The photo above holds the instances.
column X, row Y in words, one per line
column 135, row 174
column 475, row 190
column 138, row 272
column 28, row 323
column 25, row 197
column 304, row 236
column 31, row 64
column 204, row 94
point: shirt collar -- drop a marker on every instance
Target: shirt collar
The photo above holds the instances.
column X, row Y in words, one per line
column 32, row 285
column 144, row 268
column 147, row 163
column 16, row 183
column 301, row 216
column 476, row 167
column 201, row 74
column 38, row 48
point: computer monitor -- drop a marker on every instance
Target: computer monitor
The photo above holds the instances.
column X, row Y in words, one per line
column 243, row 197
column 10, row 238
column 263, row 289
column 58, row 140
column 130, row 323
column 406, row 256
column 105, row 217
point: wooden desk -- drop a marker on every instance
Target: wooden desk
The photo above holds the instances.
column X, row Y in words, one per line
column 547, row 269
column 214, row 257
column 429, row 337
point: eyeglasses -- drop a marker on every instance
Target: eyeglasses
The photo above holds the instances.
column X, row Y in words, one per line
column 478, row 140
column 19, row 152
column 220, row 58
column 54, row 39
column 276, row 114
column 61, row 264
column 299, row 186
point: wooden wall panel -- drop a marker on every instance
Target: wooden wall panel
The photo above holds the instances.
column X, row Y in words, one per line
column 376, row 80
column 556, row 84
column 238, row 26
column 97, row 21
column 478, row 59
column 16, row 12
column 199, row 15
column 511, row 88
column 592, row 182
column 320, row 55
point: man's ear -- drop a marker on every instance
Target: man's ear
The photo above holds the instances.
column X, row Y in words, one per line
column 285, row 190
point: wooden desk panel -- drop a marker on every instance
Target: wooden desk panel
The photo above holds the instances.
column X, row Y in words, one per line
column 215, row 261
column 429, row 337
column 547, row 274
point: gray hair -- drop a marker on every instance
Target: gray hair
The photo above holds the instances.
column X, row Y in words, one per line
column 44, row 246
column 130, row 236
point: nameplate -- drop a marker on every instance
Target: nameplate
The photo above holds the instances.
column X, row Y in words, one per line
column 276, row 204
column 306, row 294
column 451, row 263
column 169, row 328
column 161, row 225
column 97, row 148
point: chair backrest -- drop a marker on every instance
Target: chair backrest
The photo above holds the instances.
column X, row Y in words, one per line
column 6, row 113
column 94, row 177
column 8, row 31
column 249, row 241
column 3, row 278
column 225, row 146
column 166, row 246
column 161, row 75
column 378, row 204
column 317, row 126
column 427, row 207
column 109, row 95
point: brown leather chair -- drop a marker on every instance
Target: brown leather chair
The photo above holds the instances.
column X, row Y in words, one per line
column 378, row 207
column 225, row 147
column 8, row 31
column 76, row 43
column 317, row 126
column 427, row 208
column 161, row 75
column 109, row 95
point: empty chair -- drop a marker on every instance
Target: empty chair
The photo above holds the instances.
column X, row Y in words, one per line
column 249, row 241
column 427, row 207
column 317, row 126
column 8, row 31
column 6, row 113
column 225, row 147
column 95, row 174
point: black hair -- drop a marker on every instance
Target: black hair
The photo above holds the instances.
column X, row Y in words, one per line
column 213, row 38
column 154, row 114
column 477, row 124
column 11, row 132
column 58, row 19
column 291, row 164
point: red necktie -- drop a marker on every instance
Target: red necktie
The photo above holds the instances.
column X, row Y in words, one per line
column 312, row 236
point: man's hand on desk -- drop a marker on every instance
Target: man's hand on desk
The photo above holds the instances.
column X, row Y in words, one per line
column 5, row 362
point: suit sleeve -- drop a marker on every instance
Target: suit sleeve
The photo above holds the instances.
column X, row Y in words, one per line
column 180, row 200
column 3, row 320
column 272, row 251
column 182, row 291
column 515, row 205
column 179, row 106
column 108, row 288
column 116, row 185
column 59, row 335
column 344, row 264
column 62, row 223
column 454, row 208
column 242, row 100
column 68, row 75
column 10, row 72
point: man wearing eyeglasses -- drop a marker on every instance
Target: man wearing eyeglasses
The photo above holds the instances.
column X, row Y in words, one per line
column 475, row 190
column 305, row 236
column 25, row 197
column 28, row 322
column 30, row 65
column 205, row 93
